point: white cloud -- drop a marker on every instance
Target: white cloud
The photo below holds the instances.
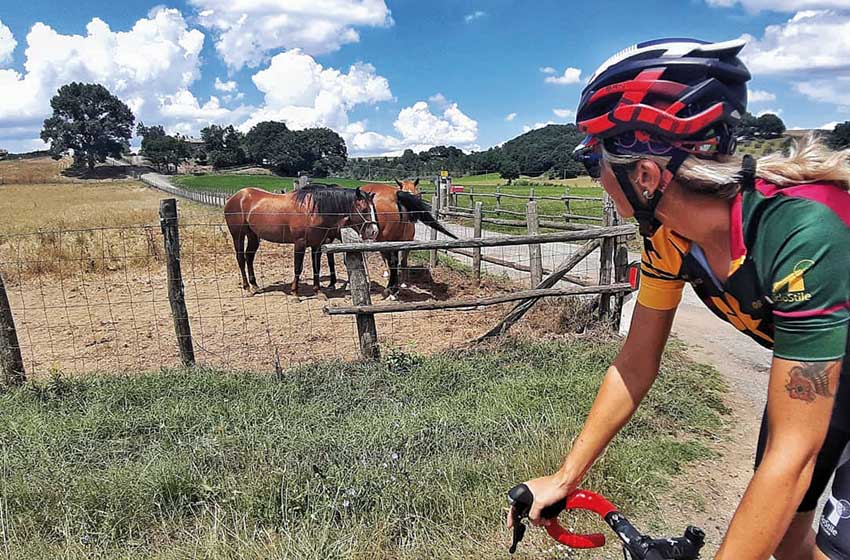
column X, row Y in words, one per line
column 439, row 100
column 548, row 70
column 755, row 6
column 809, row 41
column 478, row 14
column 247, row 30
column 7, row 44
column 419, row 130
column 302, row 93
column 811, row 50
column 760, row 96
column 510, row 116
column 570, row 76
column 157, row 58
column 535, row 126
column 829, row 125
column 827, row 90
column 564, row 113
column 227, row 87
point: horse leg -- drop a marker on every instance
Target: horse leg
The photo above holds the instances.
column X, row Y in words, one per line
column 332, row 267
column 387, row 264
column 300, row 249
column 238, row 235
column 250, row 253
column 403, row 270
column 392, row 286
column 316, row 258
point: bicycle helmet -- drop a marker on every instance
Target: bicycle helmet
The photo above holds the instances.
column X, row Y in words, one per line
column 670, row 97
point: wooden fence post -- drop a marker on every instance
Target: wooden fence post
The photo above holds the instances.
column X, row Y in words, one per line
column 606, row 256
column 435, row 205
column 531, row 193
column 358, row 281
column 176, row 295
column 476, row 252
column 498, row 198
column 471, row 198
column 535, row 254
column 621, row 274
column 567, row 210
column 11, row 361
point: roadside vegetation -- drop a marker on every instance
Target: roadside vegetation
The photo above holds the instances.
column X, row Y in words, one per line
column 409, row 457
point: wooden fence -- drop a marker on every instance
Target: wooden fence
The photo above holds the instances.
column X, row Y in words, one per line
column 613, row 274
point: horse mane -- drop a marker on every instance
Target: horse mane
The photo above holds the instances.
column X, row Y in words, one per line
column 327, row 199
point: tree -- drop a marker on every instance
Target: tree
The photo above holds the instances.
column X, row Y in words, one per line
column 770, row 126
column 839, row 137
column 747, row 128
column 90, row 121
column 223, row 146
column 323, row 150
column 509, row 170
column 262, row 141
column 162, row 149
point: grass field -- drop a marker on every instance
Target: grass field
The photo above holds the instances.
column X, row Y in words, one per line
column 232, row 183
column 407, row 458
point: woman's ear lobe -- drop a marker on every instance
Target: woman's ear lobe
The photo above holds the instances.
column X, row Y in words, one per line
column 647, row 176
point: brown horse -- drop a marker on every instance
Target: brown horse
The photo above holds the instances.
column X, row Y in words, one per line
column 308, row 217
column 398, row 211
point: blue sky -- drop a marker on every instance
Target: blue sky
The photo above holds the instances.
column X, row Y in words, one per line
column 389, row 75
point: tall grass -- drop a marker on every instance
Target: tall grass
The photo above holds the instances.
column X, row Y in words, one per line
column 406, row 458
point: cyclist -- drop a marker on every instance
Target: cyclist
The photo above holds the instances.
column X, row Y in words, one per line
column 766, row 247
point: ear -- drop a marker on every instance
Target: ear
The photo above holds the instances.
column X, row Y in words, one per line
column 358, row 193
column 646, row 176
column 416, row 182
column 397, row 182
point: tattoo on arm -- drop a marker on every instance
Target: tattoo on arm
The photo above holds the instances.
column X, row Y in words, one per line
column 809, row 380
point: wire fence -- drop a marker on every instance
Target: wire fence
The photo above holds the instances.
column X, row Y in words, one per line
column 98, row 299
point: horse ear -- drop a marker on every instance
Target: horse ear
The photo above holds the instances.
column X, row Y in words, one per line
column 358, row 193
column 397, row 182
column 416, row 182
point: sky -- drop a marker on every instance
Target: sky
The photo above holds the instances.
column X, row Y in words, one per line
column 388, row 75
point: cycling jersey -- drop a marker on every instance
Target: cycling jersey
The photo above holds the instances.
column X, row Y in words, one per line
column 789, row 283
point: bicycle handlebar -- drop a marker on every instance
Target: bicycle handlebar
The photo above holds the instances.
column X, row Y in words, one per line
column 636, row 545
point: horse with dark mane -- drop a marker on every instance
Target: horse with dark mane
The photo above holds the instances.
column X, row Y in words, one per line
column 308, row 217
column 398, row 211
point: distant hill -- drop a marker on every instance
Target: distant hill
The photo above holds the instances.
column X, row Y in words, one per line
column 545, row 149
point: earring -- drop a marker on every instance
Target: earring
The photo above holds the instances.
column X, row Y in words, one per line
column 648, row 195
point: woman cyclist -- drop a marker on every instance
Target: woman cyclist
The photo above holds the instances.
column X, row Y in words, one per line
column 766, row 246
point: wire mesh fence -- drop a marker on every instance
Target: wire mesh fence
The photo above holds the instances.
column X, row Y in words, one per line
column 87, row 300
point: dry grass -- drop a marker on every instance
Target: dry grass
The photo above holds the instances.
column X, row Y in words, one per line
column 29, row 171
column 95, row 224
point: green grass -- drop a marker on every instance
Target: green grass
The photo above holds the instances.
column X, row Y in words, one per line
column 406, row 458
column 232, row 183
column 759, row 148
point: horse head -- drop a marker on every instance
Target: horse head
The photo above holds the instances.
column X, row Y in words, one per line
column 409, row 186
column 364, row 217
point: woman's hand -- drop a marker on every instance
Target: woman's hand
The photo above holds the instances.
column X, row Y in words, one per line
column 546, row 490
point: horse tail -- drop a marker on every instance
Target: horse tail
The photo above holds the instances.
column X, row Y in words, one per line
column 421, row 211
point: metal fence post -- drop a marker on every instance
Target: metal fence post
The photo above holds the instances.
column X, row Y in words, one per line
column 435, row 205
column 476, row 252
column 358, row 282
column 535, row 255
column 176, row 295
column 11, row 361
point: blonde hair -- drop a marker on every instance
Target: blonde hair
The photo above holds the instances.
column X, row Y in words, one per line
column 808, row 160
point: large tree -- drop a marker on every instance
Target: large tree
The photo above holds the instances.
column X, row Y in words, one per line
column 90, row 121
column 223, row 146
column 323, row 150
column 770, row 125
column 162, row 149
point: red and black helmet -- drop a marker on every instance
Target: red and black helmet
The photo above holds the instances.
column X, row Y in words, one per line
column 673, row 97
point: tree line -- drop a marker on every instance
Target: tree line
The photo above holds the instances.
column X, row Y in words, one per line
column 92, row 124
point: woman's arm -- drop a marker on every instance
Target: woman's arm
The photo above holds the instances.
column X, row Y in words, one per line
column 799, row 406
column 624, row 386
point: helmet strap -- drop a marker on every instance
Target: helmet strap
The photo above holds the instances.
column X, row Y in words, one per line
column 644, row 211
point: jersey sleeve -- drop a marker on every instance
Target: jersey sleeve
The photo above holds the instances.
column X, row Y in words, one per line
column 660, row 282
column 806, row 270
